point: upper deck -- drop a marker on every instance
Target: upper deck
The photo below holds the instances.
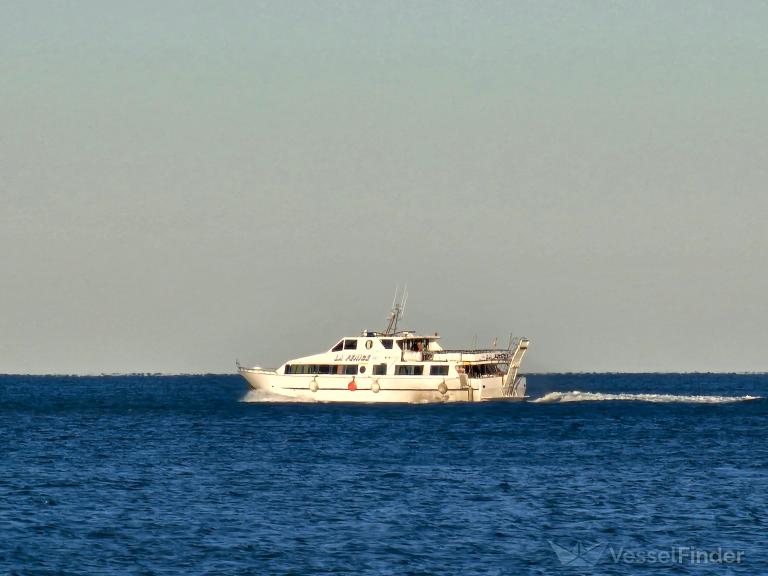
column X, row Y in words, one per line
column 406, row 347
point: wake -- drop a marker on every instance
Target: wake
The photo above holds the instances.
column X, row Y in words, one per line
column 263, row 396
column 578, row 396
column 256, row 396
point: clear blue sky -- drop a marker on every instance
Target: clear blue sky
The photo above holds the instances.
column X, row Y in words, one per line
column 186, row 183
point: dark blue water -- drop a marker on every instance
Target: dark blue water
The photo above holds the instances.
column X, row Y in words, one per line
column 176, row 475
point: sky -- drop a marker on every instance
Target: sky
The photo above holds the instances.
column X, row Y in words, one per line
column 184, row 184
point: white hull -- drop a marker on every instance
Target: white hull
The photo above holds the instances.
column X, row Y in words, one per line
column 378, row 389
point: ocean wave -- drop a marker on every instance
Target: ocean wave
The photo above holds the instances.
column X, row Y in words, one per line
column 578, row 396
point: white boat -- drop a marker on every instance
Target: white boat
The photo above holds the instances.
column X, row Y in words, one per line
column 396, row 366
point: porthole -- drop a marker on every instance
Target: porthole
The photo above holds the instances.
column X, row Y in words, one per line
column 369, row 344
column 362, row 369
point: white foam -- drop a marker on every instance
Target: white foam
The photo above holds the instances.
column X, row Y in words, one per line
column 263, row 396
column 578, row 396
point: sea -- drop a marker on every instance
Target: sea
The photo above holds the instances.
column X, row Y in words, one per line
column 596, row 474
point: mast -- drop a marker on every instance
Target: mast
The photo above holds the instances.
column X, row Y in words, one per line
column 397, row 312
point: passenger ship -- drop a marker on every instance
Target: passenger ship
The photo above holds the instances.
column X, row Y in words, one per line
column 396, row 366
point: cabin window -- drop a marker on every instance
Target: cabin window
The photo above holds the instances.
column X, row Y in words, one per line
column 387, row 343
column 350, row 369
column 368, row 344
column 409, row 370
column 379, row 369
column 484, row 370
column 350, row 344
column 338, row 347
column 415, row 345
column 437, row 370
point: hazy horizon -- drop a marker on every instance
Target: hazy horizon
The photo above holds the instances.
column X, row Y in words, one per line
column 185, row 185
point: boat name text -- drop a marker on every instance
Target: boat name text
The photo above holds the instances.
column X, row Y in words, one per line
column 352, row 358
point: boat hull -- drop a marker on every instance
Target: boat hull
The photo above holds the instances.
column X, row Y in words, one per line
column 378, row 389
